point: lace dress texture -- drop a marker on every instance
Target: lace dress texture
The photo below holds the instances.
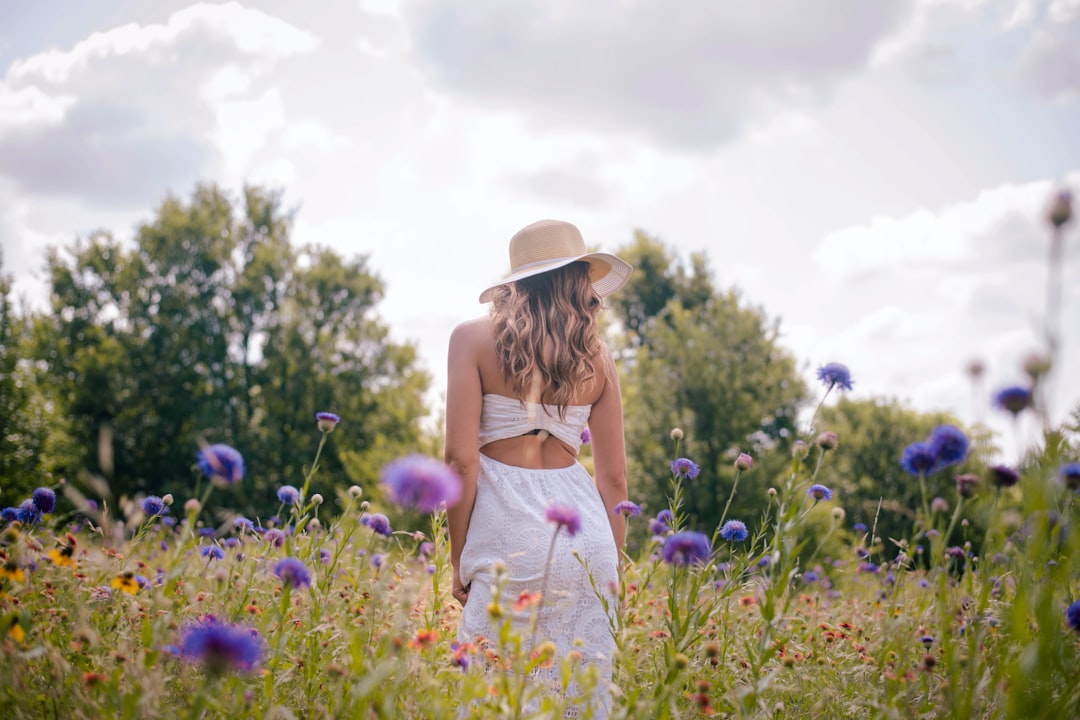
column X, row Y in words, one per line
column 508, row 526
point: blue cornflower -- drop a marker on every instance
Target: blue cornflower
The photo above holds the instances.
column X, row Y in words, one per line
column 206, row 532
column 9, row 514
column 835, row 375
column 1014, row 399
column 1070, row 475
column 685, row 467
column 327, row 421
column 819, row 492
column 927, row 641
column 859, row 527
column 211, row 552
column 627, row 508
column 734, row 531
column 153, row 506
column 28, row 513
column 868, row 567
column 686, row 548
column 810, row 576
column 1003, row 475
column 221, row 462
column 377, row 560
column 950, row 445
column 1072, row 614
column 242, row 523
column 657, row 528
column 44, row 500
column 288, row 495
column 378, row 522
column 665, row 516
column 275, row 537
column 918, row 458
column 292, row 572
column 421, row 482
column 563, row 516
column 220, row 646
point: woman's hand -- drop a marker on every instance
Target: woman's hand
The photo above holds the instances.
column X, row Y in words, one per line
column 459, row 591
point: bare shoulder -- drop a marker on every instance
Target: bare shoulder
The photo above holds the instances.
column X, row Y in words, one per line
column 471, row 335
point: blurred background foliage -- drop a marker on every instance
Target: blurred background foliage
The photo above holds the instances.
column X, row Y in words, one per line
column 212, row 326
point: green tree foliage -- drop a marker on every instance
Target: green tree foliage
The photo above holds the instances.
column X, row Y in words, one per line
column 211, row 327
column 864, row 471
column 702, row 360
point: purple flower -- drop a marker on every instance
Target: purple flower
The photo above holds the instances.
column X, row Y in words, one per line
column 292, row 572
column 1070, row 475
column 563, row 516
column 327, row 421
column 377, row 560
column 819, row 492
column 685, row 467
column 1072, row 614
column 810, row 576
column 918, row 458
column 927, row 641
column 665, row 517
column 221, row 462
column 275, row 537
column 378, row 522
column 586, row 436
column 242, row 523
column 220, row 647
column 859, row 527
column 28, row 512
column 967, row 485
column 835, row 375
column 627, row 508
column 288, row 495
column 950, row 445
column 153, row 506
column 211, row 552
column 1003, row 475
column 421, row 482
column 744, row 462
column 9, row 514
column 44, row 500
column 1013, row 399
column 686, row 548
column 426, row 549
column 734, row 531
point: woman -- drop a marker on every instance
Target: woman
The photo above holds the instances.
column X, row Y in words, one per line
column 522, row 385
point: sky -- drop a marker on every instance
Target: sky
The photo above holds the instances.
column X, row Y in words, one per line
column 872, row 175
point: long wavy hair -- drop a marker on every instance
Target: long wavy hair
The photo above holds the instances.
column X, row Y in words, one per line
column 546, row 336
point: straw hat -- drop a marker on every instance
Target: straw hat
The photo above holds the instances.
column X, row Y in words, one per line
column 549, row 244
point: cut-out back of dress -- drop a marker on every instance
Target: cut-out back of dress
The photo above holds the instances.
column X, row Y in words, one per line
column 504, row 417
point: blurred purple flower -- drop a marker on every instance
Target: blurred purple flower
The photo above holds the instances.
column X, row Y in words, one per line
column 586, row 436
column 744, row 462
column 686, row 548
column 685, row 467
column 819, row 492
column 627, row 508
column 563, row 516
column 918, row 459
column 288, row 495
column 1070, row 475
column 220, row 647
column 835, row 375
column 378, row 523
column 421, row 482
column 734, row 531
column 292, row 572
column 153, row 506
column 221, row 462
column 275, row 537
column 1014, row 399
column 949, row 444
column 211, row 552
column 1003, row 475
column 1072, row 614
column 44, row 500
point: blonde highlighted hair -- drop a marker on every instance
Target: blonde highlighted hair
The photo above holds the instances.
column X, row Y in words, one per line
column 546, row 336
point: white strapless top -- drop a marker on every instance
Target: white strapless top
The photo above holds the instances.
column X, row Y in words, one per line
column 502, row 417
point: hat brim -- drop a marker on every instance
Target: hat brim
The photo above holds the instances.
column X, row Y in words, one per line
column 607, row 272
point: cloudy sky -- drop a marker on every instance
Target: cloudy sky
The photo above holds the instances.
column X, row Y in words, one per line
column 872, row 174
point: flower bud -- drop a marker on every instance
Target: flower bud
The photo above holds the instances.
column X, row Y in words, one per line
column 798, row 449
column 355, row 491
column 744, row 462
column 966, row 485
column 827, row 441
column 1036, row 365
column 976, row 368
column 676, row 434
column 772, row 492
column 939, row 505
column 1060, row 211
column 192, row 506
column 167, row 499
column 838, row 514
column 317, row 499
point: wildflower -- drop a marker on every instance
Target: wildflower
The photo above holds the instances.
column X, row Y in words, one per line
column 219, row 646
column 327, row 421
column 461, row 654
column 423, row 639
column 378, row 523
column 586, row 436
column 316, row 499
column 734, row 531
column 685, row 467
column 1036, row 365
column 356, row 492
column 242, row 523
column 44, row 500
column 1003, row 475
column 211, row 552
column 949, row 444
column 90, row 679
column 125, row 582
column 927, row 641
column 377, row 560
column 798, row 449
column 744, row 462
column 859, row 527
column 544, row 654
column 827, row 440
column 563, row 516
column 665, row 516
column 62, row 557
column 421, row 482
column 819, row 492
column 627, row 508
column 686, row 548
column 955, row 552
column 967, row 484
column 167, row 498
column 1060, row 211
column 838, row 514
column 656, row 527
column 939, row 505
column 835, row 375
column 12, row 571
column 292, row 572
column 1072, row 614
column 1070, row 475
column 9, row 514
column 288, row 495
column 221, row 462
column 976, row 368
column 676, row 434
column 28, row 513
column 526, row 600
column 810, row 576
column 918, row 458
column 153, row 506
column 192, row 506
column 1013, row 399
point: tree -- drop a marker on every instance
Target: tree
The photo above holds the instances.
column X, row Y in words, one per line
column 707, row 363
column 210, row 327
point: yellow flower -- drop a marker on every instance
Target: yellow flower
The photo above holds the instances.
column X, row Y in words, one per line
column 17, row 633
column 544, row 654
column 62, row 557
column 13, row 572
column 126, row 582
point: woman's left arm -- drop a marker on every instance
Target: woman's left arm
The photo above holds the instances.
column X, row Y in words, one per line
column 609, row 450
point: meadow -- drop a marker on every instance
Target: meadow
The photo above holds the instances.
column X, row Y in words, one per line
column 151, row 607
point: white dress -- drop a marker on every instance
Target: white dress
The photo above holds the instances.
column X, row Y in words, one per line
column 508, row 525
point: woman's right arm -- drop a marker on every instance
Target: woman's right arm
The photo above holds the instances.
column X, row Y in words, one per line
column 464, row 397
